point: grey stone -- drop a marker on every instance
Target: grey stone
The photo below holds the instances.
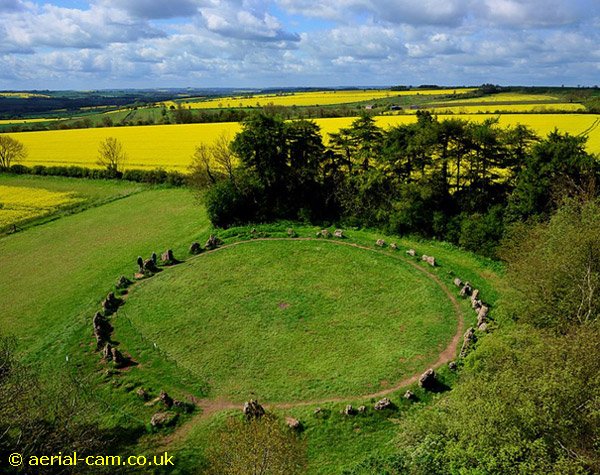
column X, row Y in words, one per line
column 411, row 252
column 469, row 340
column 384, row 403
column 166, row 399
column 427, row 379
column 458, row 282
column 195, row 248
column 163, row 419
column 338, row 233
column 253, row 410
column 380, row 243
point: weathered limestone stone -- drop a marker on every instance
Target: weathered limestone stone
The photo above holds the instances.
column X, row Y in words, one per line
column 458, row 282
column 362, row 409
column 149, row 267
column 195, row 248
column 142, row 394
column 394, row 246
column 469, row 339
column 380, row 243
column 452, row 366
column 213, row 242
column 427, row 379
column 123, row 282
column 291, row 233
column 466, row 290
column 140, row 263
column 107, row 352
column 110, row 304
column 476, row 304
column 349, row 410
column 293, row 423
column 384, row 403
column 324, row 233
column 475, row 294
column 163, row 419
column 118, row 358
column 338, row 233
column 411, row 252
column 482, row 315
column 166, row 399
column 253, row 410
column 429, row 259
column 483, row 327
column 154, row 258
column 167, row 257
column 409, row 395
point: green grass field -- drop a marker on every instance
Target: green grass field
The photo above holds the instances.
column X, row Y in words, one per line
column 55, row 274
column 314, row 319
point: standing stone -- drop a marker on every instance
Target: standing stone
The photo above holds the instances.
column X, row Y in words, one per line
column 476, row 304
column 142, row 394
column 123, row 282
column 469, row 340
column 429, row 259
column 163, row 419
column 394, row 246
column 110, row 304
column 253, row 410
column 213, row 242
column 195, row 248
column 140, row 263
column 154, row 257
column 166, row 399
column 324, row 233
column 362, row 409
column 349, row 410
column 291, row 233
column 149, row 267
column 118, row 358
column 427, row 379
column 482, row 315
column 167, row 257
column 475, row 294
column 411, row 252
column 380, row 243
column 466, row 290
column 409, row 395
column 452, row 366
column 293, row 423
column 458, row 282
column 384, row 403
column 107, row 352
column 338, row 233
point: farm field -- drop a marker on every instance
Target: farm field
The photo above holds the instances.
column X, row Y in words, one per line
column 26, row 199
column 506, row 108
column 318, row 98
column 172, row 146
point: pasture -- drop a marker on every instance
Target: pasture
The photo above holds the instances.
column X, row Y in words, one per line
column 172, row 146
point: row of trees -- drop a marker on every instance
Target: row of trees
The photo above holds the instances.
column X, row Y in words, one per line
column 451, row 179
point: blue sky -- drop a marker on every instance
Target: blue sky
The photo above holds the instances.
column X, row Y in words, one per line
column 74, row 44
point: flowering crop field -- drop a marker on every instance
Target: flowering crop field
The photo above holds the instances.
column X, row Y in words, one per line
column 19, row 203
column 172, row 146
column 508, row 108
column 317, row 98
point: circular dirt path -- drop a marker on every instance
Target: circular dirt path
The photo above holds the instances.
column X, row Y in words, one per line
column 211, row 406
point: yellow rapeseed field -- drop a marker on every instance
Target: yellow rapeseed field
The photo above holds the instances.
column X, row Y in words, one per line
column 315, row 98
column 20, row 203
column 171, row 146
column 24, row 121
column 509, row 108
column 22, row 95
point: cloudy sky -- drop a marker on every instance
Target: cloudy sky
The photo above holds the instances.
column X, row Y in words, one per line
column 76, row 44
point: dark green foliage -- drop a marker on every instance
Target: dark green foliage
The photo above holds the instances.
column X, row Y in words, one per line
column 450, row 180
column 155, row 176
column 556, row 166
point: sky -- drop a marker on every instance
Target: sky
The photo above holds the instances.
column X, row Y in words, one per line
column 103, row 44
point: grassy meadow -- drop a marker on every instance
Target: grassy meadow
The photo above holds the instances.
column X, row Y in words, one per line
column 203, row 306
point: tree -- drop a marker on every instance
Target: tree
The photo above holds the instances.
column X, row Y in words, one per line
column 11, row 151
column 255, row 447
column 112, row 156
